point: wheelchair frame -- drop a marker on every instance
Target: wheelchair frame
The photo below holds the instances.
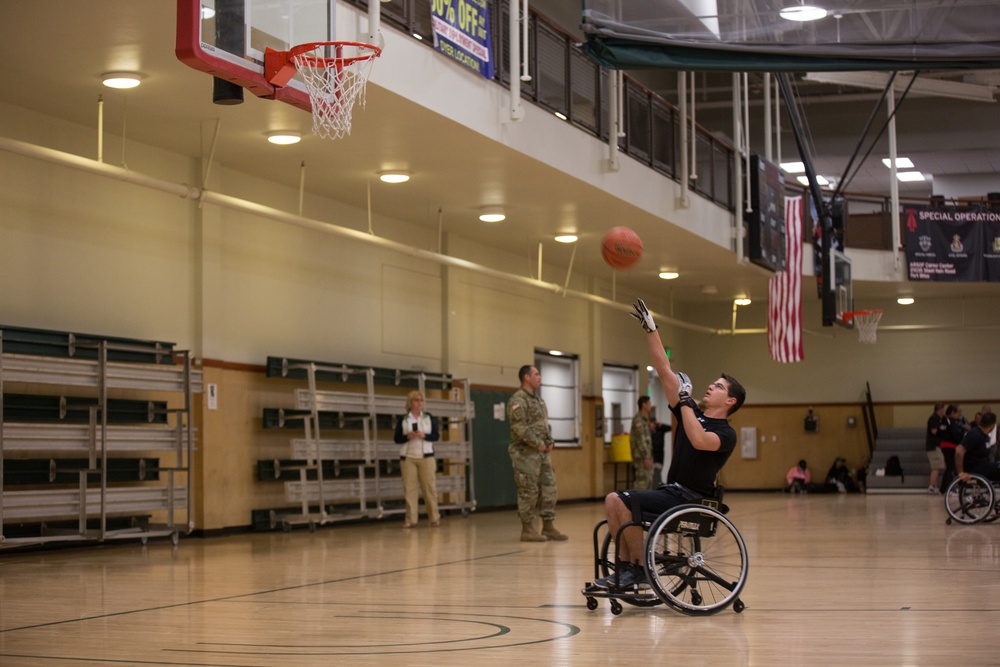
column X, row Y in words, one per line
column 973, row 501
column 695, row 560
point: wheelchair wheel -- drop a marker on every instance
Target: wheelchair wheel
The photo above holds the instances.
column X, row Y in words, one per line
column 970, row 502
column 696, row 559
column 644, row 598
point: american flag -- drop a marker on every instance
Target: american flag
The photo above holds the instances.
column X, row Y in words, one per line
column 784, row 294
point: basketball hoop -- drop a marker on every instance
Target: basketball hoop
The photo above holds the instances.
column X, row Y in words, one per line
column 867, row 321
column 334, row 81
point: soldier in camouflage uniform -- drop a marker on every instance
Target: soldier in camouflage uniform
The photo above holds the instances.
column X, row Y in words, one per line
column 641, row 441
column 529, row 450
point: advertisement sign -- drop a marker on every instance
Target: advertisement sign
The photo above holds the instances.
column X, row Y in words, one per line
column 462, row 32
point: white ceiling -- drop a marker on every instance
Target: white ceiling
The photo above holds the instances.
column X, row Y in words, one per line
column 56, row 51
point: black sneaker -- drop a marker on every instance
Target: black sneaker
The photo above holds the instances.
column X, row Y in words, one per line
column 632, row 576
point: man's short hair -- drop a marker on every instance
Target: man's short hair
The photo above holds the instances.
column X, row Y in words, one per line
column 989, row 419
column 736, row 391
column 642, row 401
column 524, row 372
column 938, row 406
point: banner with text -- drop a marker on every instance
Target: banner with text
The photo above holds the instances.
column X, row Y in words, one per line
column 952, row 244
column 462, row 32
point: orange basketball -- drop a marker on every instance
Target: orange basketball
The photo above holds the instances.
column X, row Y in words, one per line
column 621, row 248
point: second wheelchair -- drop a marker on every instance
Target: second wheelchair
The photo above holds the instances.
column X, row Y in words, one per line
column 973, row 501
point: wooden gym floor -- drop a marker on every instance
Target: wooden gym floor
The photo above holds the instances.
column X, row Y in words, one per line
column 833, row 580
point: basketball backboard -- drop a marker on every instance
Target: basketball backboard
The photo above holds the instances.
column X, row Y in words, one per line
column 227, row 39
column 839, row 299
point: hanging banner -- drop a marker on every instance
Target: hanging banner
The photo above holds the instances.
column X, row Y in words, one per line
column 991, row 250
column 950, row 244
column 462, row 32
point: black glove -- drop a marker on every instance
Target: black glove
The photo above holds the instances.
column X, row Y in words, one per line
column 684, row 398
column 641, row 313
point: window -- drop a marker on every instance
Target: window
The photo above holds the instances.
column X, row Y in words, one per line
column 619, row 389
column 560, row 391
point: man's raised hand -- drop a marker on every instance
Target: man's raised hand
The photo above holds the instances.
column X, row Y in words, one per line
column 641, row 313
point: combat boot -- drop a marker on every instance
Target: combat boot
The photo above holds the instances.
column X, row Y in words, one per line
column 529, row 534
column 549, row 531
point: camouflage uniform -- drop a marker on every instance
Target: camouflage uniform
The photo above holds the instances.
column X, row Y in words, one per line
column 641, row 440
column 533, row 473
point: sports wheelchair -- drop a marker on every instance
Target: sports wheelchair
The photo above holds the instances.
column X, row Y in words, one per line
column 695, row 561
column 973, row 501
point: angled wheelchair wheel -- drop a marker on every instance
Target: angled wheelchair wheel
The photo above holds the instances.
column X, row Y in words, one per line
column 970, row 502
column 696, row 560
column 642, row 598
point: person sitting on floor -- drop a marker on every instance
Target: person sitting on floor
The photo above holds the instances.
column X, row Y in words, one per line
column 839, row 478
column 798, row 478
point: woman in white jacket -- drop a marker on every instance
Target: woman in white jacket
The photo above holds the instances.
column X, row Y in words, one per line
column 416, row 433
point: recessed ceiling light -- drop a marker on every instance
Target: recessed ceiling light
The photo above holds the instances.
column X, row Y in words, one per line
column 567, row 238
column 669, row 275
column 910, row 176
column 742, row 301
column 901, row 163
column 802, row 13
column 555, row 353
column 121, row 80
column 284, row 138
column 492, row 214
column 793, row 167
column 560, row 115
column 393, row 176
column 804, row 180
column 905, row 300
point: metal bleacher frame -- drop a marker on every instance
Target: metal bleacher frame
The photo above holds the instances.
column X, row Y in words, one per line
column 368, row 489
column 89, row 501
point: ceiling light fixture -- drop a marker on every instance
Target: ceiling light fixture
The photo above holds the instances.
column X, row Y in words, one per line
column 905, row 300
column 901, row 163
column 669, row 275
column 560, row 115
column 742, row 301
column 793, row 167
column 284, row 138
column 121, row 80
column 910, row 176
column 567, row 238
column 492, row 214
column 393, row 176
column 802, row 12
column 804, row 180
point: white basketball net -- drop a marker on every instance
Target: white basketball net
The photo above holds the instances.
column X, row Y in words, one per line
column 867, row 324
column 334, row 87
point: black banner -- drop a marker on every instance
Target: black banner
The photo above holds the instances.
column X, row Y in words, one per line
column 952, row 244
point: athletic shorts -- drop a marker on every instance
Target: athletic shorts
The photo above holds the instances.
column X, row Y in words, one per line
column 936, row 458
column 654, row 502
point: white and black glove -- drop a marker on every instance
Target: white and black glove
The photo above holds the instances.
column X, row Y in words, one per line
column 685, row 383
column 684, row 398
column 641, row 313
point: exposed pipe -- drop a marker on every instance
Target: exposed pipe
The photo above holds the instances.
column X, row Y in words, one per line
column 685, row 201
column 539, row 260
column 515, row 112
column 374, row 21
column 767, row 117
column 613, row 95
column 737, row 172
column 100, row 128
column 569, row 270
column 211, row 159
column 893, row 181
column 302, row 187
column 525, row 76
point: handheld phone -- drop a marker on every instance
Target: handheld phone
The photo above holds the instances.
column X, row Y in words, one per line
column 414, row 426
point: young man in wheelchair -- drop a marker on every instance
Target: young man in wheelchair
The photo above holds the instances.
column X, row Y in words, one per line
column 703, row 442
column 973, row 455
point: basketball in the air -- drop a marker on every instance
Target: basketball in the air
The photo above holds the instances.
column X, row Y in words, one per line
column 621, row 248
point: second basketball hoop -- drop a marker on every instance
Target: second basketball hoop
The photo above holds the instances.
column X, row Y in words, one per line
column 335, row 75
